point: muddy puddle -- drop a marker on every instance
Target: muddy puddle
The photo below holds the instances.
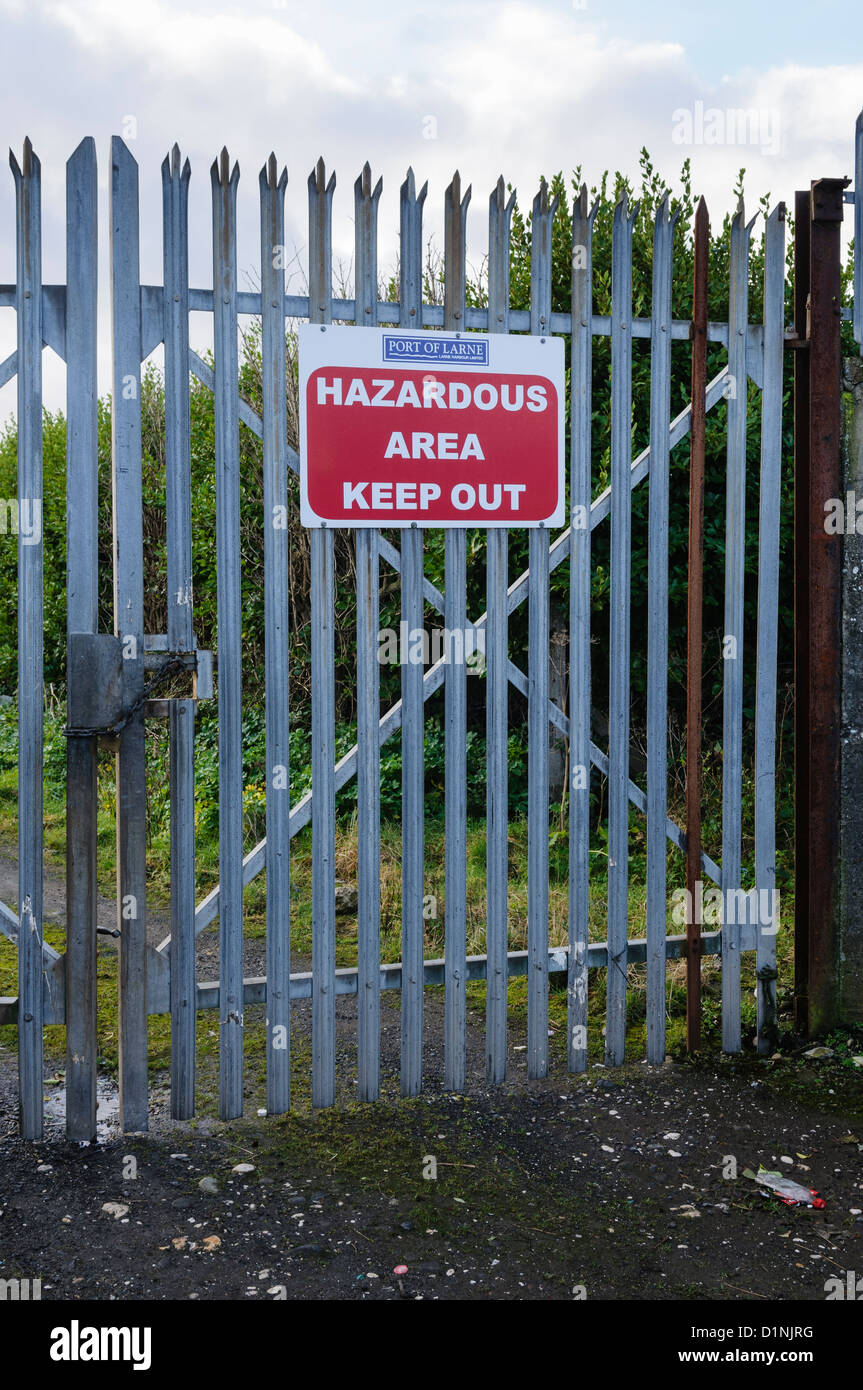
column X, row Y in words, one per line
column 107, row 1109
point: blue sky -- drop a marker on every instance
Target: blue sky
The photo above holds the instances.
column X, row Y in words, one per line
column 519, row 87
column 720, row 39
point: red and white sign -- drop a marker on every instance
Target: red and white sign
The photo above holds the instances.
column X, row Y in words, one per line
column 434, row 429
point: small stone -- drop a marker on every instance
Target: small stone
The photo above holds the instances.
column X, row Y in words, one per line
column 209, row 1185
column 819, row 1052
column 117, row 1210
column 243, row 1168
column 347, row 900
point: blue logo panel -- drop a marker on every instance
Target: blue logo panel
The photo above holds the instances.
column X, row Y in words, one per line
column 430, row 347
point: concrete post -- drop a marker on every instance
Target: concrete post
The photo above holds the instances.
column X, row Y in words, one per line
column 850, row 944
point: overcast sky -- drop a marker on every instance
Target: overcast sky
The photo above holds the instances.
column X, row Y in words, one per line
column 489, row 86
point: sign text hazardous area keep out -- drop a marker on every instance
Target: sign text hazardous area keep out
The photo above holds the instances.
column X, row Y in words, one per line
column 430, row 429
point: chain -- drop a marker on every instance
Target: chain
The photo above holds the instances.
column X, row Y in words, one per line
column 167, row 668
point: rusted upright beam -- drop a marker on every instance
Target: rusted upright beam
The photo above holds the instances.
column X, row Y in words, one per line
column 694, row 625
column 825, row 593
column 801, row 609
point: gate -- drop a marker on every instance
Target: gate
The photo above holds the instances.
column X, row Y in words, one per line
column 117, row 682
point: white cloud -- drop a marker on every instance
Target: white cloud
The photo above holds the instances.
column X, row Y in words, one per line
column 530, row 65
column 176, row 44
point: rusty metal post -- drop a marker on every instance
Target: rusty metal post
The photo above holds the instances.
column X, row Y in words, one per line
column 825, row 591
column 694, row 626
column 801, row 609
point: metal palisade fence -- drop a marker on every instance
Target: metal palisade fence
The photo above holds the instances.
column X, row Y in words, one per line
column 114, row 680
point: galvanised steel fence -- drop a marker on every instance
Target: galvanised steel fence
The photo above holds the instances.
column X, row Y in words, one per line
column 113, row 680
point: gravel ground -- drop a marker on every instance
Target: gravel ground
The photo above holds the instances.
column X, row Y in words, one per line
column 612, row 1185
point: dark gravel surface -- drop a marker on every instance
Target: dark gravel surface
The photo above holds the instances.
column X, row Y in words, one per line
column 608, row 1184
column 612, row 1185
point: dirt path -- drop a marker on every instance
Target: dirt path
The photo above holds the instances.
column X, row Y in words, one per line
column 158, row 922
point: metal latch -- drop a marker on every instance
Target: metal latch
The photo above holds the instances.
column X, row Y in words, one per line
column 98, row 702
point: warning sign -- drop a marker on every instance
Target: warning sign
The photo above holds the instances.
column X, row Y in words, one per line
column 433, row 429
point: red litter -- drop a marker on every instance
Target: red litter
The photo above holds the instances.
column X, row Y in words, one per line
column 791, row 1193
